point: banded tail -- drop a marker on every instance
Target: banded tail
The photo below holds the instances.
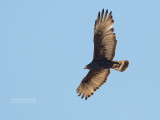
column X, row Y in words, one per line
column 120, row 65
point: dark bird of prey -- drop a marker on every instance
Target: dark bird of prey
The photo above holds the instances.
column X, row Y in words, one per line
column 104, row 52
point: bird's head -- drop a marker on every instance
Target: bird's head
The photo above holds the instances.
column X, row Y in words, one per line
column 87, row 67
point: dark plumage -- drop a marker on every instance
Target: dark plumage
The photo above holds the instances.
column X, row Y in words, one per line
column 104, row 52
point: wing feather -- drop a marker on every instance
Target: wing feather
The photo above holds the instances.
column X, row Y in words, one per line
column 92, row 81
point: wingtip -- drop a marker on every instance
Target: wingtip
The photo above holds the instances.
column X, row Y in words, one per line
column 110, row 13
column 107, row 11
column 98, row 14
column 103, row 10
column 79, row 94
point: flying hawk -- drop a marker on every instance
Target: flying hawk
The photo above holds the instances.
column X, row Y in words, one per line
column 104, row 52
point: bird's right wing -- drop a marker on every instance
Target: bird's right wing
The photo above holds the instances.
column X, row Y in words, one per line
column 92, row 81
column 104, row 38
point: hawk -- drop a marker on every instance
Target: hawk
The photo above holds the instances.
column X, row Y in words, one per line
column 104, row 52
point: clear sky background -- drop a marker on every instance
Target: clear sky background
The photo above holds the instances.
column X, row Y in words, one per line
column 45, row 44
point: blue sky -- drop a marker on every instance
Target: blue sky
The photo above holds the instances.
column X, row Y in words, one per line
column 45, row 44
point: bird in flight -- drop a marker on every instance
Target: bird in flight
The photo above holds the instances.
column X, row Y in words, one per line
column 104, row 52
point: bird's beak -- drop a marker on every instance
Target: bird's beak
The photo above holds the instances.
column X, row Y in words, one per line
column 85, row 67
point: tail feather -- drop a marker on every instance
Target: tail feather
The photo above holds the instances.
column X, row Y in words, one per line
column 120, row 65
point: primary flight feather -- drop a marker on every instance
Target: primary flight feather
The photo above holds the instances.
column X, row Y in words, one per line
column 104, row 52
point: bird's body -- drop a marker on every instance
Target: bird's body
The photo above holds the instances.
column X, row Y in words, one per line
column 100, row 64
column 104, row 52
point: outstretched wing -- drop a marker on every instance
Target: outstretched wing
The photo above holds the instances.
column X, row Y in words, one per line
column 92, row 81
column 104, row 38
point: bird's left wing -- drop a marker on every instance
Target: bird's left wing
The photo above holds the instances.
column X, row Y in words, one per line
column 104, row 38
column 92, row 81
